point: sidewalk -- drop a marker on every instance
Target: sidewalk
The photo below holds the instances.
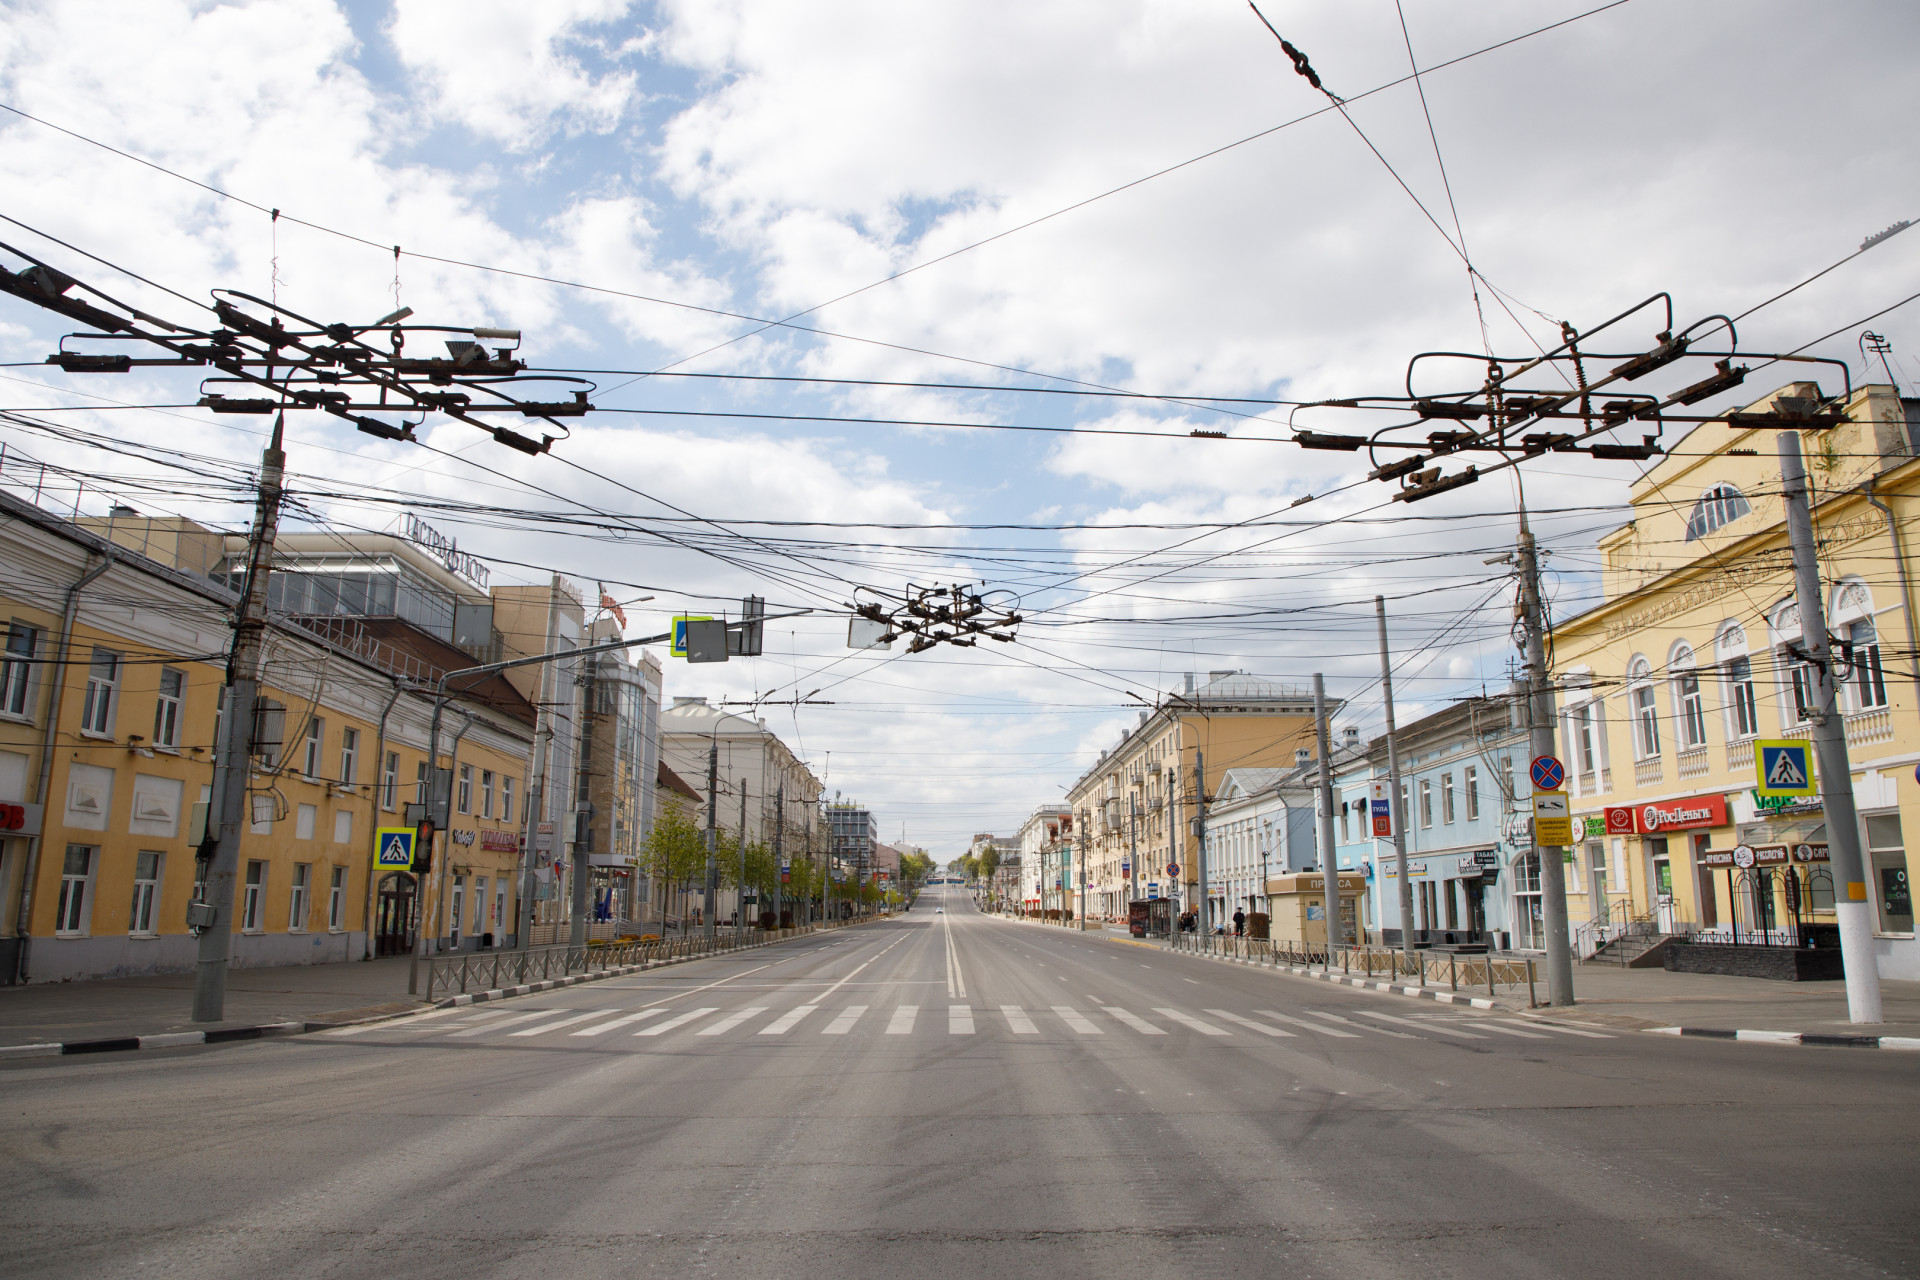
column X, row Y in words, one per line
column 161, row 1005
column 1644, row 999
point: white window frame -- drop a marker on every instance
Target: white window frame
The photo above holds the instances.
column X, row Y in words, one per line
column 506, row 797
column 1867, row 684
column 17, row 684
column 96, row 713
column 167, row 707
column 390, row 781
column 1446, row 799
column 1426, row 803
column 1470, row 790
column 73, row 913
column 336, row 899
column 1741, row 710
column 1644, row 706
column 486, row 793
column 146, row 893
column 253, row 892
column 1689, row 700
column 1715, row 509
column 299, row 895
column 349, row 754
column 463, row 794
column 314, row 743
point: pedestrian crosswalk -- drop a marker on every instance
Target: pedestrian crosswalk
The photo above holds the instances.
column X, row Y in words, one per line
column 600, row 1025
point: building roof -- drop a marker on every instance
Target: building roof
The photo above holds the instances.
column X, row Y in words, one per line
column 674, row 782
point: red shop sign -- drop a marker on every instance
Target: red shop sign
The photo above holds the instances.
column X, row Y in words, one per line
column 1668, row 815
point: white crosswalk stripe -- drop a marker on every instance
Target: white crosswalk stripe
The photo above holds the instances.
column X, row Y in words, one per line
column 844, row 1023
column 959, row 1020
column 731, row 1021
column 787, row 1021
column 540, row 1029
column 503, row 1022
column 1017, row 1020
column 1311, row 1026
column 1237, row 1020
column 629, row 1020
column 1077, row 1021
column 1349, row 1022
column 901, row 1024
column 1186, row 1019
column 1431, row 1025
column 1488, row 1024
column 691, row 1015
column 1139, row 1024
column 1565, row 1031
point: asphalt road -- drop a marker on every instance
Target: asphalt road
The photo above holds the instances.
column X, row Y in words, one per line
column 951, row 1095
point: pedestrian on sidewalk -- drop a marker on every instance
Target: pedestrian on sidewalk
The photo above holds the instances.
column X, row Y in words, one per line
column 1239, row 922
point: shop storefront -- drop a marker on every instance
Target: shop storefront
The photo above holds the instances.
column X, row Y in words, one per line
column 1455, row 898
column 1298, row 907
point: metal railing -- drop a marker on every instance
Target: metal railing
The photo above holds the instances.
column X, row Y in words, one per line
column 439, row 976
column 1457, row 970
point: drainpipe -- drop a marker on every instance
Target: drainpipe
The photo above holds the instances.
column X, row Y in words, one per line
column 439, row 875
column 379, row 774
column 23, row 926
column 1900, row 567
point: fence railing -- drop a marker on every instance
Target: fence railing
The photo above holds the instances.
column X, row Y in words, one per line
column 439, row 976
column 1457, row 970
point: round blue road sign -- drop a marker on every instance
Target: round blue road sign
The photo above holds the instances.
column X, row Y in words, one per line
column 1548, row 773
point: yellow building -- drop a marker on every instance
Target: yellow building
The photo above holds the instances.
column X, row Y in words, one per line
column 1667, row 684
column 1140, row 794
column 109, row 699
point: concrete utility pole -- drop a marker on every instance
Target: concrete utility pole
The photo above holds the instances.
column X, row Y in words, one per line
column 713, row 835
column 1553, row 871
column 1834, row 771
column 537, row 788
column 1081, row 914
column 583, row 808
column 1204, row 904
column 1133, row 849
column 779, row 851
column 1393, row 785
column 234, row 753
column 740, row 896
column 1329, row 852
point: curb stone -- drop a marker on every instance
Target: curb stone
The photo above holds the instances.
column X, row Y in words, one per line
column 1812, row 1038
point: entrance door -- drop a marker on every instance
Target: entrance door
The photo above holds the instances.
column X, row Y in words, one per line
column 1476, row 891
column 1663, row 891
column 393, row 915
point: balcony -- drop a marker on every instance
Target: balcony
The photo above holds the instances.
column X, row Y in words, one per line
column 1863, row 727
column 1692, row 762
column 1649, row 772
column 1740, row 756
column 1596, row 784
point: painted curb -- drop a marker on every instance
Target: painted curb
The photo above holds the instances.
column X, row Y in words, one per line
column 168, row 1040
column 1815, row 1039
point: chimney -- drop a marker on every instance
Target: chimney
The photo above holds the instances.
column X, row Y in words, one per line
column 1302, row 756
column 1189, row 684
column 1353, row 735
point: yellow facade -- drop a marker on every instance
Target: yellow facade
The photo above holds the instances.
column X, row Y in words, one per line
column 1666, row 686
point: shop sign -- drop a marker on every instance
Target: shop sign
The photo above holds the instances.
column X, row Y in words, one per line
column 500, row 841
column 1413, row 868
column 21, row 819
column 1763, row 855
column 1595, row 826
column 1667, row 815
column 461, row 837
column 1765, row 803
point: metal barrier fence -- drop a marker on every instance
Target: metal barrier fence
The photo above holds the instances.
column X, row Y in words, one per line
column 1429, row 968
column 439, row 976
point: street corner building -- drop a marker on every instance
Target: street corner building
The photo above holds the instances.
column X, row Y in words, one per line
column 1693, row 657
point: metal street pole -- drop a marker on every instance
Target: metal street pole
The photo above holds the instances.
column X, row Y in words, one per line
column 1329, row 853
column 1203, row 900
column 713, row 822
column 779, row 852
column 740, row 895
column 583, row 811
column 1081, row 914
column 1833, row 770
column 1399, row 819
column 1553, row 871
column 233, row 758
column 1133, row 848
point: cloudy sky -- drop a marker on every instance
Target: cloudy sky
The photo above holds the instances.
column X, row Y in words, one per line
column 1125, row 196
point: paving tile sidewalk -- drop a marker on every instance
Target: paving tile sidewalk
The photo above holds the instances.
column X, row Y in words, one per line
column 163, row 1004
column 1643, row 999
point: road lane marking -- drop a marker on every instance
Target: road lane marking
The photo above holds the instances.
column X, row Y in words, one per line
column 844, row 1023
column 1204, row 1028
column 901, row 1024
column 681, row 1021
column 1262, row 1028
column 959, row 1020
column 504, row 1022
column 1018, row 1022
column 1077, row 1020
column 956, row 982
column 1432, row 1024
column 1141, row 1025
column 787, row 1021
column 1488, row 1024
column 1565, row 1031
column 605, row 1027
column 1379, row 1031
column 1311, row 1026
column 541, row 1030
column 731, row 1021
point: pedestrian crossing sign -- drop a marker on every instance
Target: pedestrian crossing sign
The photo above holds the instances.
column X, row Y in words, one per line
column 393, row 849
column 1785, row 768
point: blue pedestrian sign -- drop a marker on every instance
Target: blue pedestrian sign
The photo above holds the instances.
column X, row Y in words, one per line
column 1548, row 773
column 393, row 849
column 1785, row 768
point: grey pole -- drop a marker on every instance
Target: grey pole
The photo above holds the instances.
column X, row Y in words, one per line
column 1553, row 871
column 713, row 838
column 740, row 895
column 583, row 812
column 779, row 851
column 1133, row 848
column 1833, row 770
column 227, row 816
column 1082, row 913
column 1204, row 904
column 1393, row 785
column 1329, row 853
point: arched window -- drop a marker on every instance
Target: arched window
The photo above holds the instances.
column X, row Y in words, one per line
column 1799, row 674
column 1646, row 713
column 1866, row 684
column 1689, row 711
column 1736, row 668
column 1720, row 505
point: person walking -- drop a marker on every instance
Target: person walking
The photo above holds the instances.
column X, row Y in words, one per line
column 1239, row 922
